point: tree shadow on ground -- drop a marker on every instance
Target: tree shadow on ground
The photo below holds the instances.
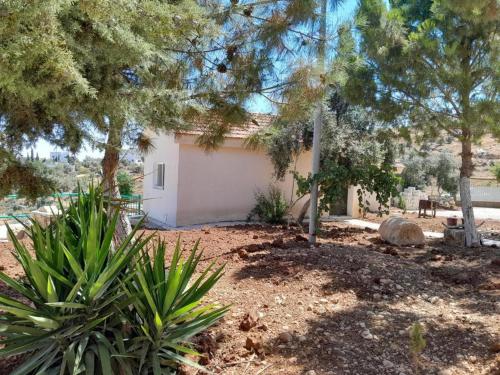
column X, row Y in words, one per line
column 382, row 280
column 378, row 272
column 334, row 343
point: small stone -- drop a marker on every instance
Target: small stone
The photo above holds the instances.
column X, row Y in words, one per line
column 262, row 327
column 377, row 296
column 387, row 363
column 366, row 334
column 285, row 337
column 300, row 238
column 279, row 243
column 302, row 338
column 279, row 300
column 243, row 254
column 249, row 321
column 254, row 343
column 434, row 300
column 320, row 310
column 254, row 247
column 495, row 348
column 311, row 372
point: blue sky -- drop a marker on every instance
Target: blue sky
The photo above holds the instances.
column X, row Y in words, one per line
column 259, row 104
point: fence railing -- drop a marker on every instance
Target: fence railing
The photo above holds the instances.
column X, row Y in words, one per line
column 14, row 207
column 485, row 193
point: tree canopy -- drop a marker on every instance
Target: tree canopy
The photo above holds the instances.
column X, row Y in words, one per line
column 355, row 150
column 434, row 65
column 103, row 71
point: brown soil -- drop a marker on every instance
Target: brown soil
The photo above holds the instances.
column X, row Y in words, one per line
column 344, row 307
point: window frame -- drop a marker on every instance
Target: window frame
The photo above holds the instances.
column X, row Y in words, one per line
column 155, row 179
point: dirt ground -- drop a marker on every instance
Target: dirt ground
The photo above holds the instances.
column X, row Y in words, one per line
column 345, row 306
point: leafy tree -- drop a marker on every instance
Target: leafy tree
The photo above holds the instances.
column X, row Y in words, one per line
column 104, row 71
column 354, row 151
column 444, row 168
column 433, row 63
column 415, row 172
column 420, row 169
column 125, row 183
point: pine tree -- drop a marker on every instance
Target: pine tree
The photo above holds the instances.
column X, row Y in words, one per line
column 434, row 65
column 104, row 71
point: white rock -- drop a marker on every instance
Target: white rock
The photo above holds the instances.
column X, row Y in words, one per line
column 387, row 363
column 399, row 231
column 366, row 334
column 434, row 300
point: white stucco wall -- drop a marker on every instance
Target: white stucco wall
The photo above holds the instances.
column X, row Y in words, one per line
column 353, row 209
column 161, row 205
column 221, row 186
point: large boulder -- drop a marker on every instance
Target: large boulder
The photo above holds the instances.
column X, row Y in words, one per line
column 401, row 232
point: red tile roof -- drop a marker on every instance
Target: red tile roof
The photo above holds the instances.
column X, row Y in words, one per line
column 255, row 122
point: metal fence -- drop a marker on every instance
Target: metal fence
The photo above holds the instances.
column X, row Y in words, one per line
column 14, row 207
column 485, row 193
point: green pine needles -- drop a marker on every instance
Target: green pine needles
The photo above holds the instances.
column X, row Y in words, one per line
column 86, row 307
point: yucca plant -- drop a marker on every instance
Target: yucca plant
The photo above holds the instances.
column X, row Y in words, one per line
column 168, row 309
column 66, row 321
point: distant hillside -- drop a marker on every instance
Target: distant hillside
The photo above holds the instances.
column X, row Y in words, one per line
column 485, row 155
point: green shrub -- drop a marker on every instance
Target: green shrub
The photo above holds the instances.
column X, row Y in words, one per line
column 271, row 207
column 71, row 291
column 168, row 310
column 89, row 307
column 125, row 183
column 496, row 171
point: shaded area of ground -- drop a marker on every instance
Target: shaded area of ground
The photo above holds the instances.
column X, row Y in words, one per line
column 344, row 307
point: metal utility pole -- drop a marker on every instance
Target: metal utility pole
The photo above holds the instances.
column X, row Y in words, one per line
column 318, row 122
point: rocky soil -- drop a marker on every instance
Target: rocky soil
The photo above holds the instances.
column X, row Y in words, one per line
column 345, row 306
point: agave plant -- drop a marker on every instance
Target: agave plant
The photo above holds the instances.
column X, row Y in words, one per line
column 168, row 310
column 66, row 320
column 89, row 307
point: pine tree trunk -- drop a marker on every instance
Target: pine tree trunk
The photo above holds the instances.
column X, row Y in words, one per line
column 472, row 238
column 110, row 186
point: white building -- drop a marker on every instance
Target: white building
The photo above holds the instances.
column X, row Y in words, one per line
column 184, row 184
